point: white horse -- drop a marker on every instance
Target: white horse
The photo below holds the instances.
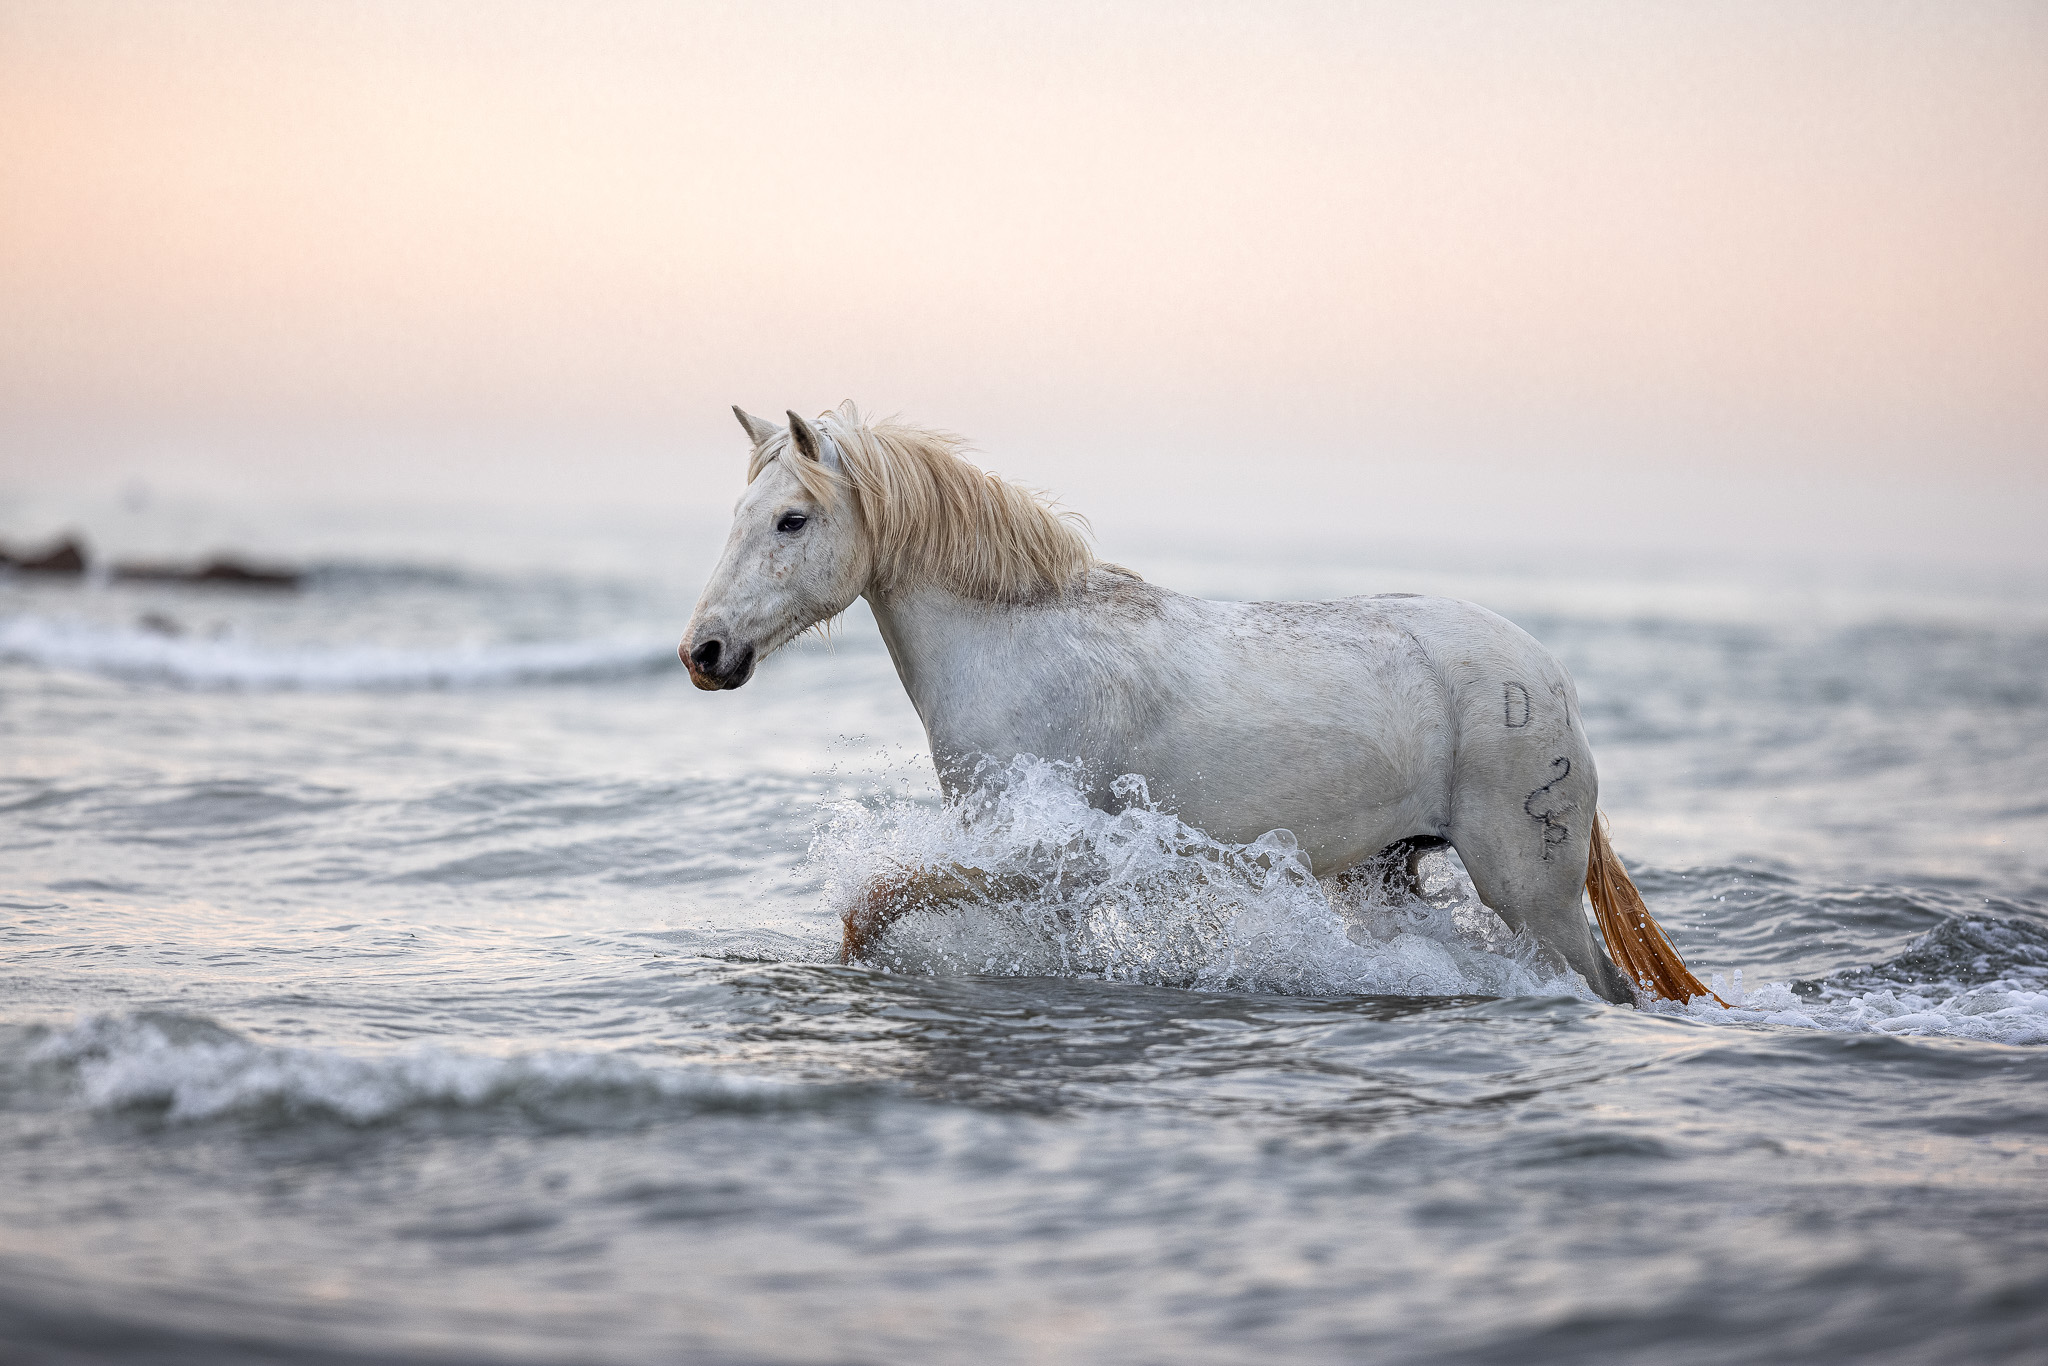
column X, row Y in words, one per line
column 1373, row 728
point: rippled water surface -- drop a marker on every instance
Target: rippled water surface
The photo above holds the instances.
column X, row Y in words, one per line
column 417, row 968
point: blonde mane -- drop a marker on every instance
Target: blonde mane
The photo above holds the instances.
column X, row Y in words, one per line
column 931, row 515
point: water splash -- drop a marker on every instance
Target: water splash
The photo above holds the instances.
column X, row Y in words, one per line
column 1051, row 885
column 1058, row 887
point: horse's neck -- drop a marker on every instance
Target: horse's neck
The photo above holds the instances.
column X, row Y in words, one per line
column 957, row 657
column 935, row 637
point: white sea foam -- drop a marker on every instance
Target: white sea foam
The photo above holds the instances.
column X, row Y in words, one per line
column 1061, row 887
column 230, row 663
column 193, row 1070
column 2010, row 1012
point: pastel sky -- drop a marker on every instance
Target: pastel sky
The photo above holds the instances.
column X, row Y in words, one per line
column 1738, row 274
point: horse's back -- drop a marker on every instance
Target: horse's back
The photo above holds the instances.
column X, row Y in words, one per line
column 1425, row 660
column 1326, row 718
column 1496, row 677
column 1414, row 715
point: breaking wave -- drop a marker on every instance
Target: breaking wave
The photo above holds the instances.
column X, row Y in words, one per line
column 1974, row 977
column 229, row 663
column 1036, row 881
column 185, row 1069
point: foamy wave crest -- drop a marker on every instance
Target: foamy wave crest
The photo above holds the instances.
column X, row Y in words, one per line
column 1050, row 885
column 119, row 652
column 188, row 1069
column 1975, row 977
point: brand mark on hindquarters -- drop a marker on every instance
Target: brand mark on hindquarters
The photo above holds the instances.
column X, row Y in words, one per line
column 1515, row 698
column 1555, row 832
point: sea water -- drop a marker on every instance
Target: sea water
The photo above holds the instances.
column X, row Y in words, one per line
column 416, row 968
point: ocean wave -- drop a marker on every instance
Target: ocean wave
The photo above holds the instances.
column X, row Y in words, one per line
column 230, row 664
column 2008, row 1013
column 1967, row 951
column 186, row 1069
column 351, row 573
column 1974, row 977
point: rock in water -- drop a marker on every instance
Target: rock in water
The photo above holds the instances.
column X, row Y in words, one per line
column 65, row 557
column 221, row 570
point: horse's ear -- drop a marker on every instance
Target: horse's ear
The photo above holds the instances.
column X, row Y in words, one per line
column 759, row 429
column 809, row 444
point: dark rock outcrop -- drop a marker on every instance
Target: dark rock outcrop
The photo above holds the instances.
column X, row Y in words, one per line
column 220, row 570
column 65, row 557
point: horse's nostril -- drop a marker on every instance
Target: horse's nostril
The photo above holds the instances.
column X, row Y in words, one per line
column 705, row 656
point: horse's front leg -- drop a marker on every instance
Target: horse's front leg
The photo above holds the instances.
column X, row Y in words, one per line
column 892, row 896
column 887, row 900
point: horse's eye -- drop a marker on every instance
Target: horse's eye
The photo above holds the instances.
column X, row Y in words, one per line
column 791, row 521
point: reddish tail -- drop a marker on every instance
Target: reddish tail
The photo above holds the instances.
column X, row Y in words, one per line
column 1638, row 945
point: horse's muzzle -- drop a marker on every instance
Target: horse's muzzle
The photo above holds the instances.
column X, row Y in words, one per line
column 712, row 666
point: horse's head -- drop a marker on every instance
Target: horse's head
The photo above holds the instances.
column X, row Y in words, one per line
column 797, row 555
